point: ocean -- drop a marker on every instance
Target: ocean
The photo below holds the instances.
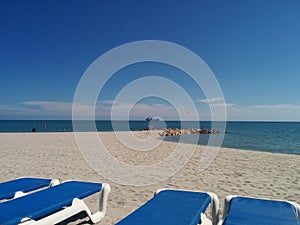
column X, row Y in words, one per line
column 279, row 137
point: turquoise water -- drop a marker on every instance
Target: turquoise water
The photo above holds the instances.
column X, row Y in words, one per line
column 280, row 137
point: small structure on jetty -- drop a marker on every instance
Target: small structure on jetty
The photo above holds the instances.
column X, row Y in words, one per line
column 177, row 131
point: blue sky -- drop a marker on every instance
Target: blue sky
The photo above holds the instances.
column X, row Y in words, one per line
column 253, row 48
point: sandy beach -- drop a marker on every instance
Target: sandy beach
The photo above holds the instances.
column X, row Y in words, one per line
column 233, row 171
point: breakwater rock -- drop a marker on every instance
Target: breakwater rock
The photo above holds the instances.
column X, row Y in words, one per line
column 177, row 131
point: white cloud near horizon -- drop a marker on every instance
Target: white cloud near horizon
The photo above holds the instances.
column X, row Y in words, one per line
column 210, row 100
column 141, row 110
column 277, row 107
column 215, row 102
column 264, row 112
column 63, row 110
column 226, row 105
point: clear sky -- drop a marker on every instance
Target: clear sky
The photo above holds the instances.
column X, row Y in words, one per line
column 253, row 48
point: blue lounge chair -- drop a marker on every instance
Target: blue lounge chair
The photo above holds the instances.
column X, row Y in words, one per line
column 245, row 211
column 175, row 207
column 14, row 188
column 54, row 204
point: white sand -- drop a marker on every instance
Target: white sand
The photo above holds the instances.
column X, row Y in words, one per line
column 233, row 171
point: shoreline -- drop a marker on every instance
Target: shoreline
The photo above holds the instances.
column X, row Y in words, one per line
column 271, row 136
column 233, row 171
column 156, row 130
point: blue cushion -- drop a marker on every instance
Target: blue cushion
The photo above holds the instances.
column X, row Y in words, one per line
column 170, row 207
column 246, row 211
column 45, row 202
column 9, row 188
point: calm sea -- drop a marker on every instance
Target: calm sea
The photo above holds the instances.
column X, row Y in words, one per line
column 280, row 137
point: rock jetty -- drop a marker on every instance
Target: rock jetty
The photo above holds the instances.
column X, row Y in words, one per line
column 177, row 131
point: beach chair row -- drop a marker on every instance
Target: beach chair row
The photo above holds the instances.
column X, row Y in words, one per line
column 33, row 201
